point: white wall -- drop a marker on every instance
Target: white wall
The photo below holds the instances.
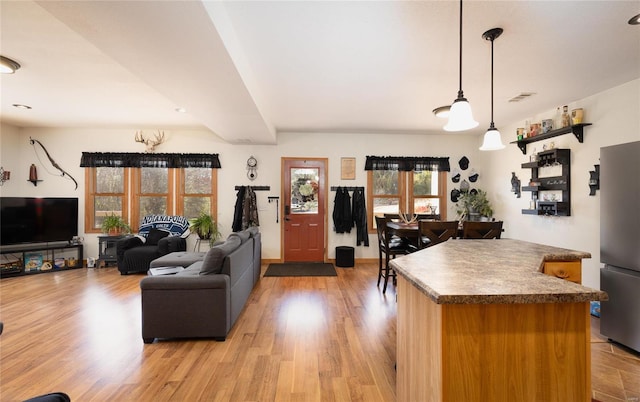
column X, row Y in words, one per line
column 66, row 147
column 614, row 114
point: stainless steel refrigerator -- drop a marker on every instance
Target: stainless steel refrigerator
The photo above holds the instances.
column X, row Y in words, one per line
column 620, row 243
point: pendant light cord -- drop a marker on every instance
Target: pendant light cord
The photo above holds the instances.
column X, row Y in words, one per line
column 460, row 93
column 492, row 125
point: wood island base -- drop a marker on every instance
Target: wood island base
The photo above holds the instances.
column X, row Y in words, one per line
column 491, row 352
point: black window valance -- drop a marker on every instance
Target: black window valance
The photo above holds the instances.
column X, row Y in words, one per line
column 407, row 163
column 140, row 160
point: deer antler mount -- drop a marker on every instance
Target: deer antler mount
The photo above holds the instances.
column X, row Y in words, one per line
column 150, row 142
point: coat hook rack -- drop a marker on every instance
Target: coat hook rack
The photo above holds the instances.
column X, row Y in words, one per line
column 256, row 188
column 349, row 188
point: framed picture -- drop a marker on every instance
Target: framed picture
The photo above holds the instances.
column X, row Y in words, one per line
column 348, row 168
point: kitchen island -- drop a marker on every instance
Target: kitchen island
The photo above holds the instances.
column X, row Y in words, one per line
column 479, row 320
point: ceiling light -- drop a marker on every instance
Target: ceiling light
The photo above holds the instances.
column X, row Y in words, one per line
column 8, row 66
column 492, row 140
column 20, row 106
column 460, row 115
column 442, row 111
column 635, row 20
column 181, row 110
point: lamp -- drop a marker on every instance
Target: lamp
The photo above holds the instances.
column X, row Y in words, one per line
column 8, row 66
column 460, row 115
column 492, row 140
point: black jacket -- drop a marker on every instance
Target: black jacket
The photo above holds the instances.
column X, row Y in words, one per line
column 359, row 215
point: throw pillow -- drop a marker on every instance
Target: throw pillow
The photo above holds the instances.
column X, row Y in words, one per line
column 214, row 259
column 154, row 236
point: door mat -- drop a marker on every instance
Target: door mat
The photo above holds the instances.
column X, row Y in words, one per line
column 301, row 269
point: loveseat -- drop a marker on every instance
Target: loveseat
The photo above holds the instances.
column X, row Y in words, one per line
column 158, row 235
column 206, row 298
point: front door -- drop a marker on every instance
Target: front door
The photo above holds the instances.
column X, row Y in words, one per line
column 304, row 209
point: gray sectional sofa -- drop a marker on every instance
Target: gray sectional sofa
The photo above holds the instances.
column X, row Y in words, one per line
column 206, row 298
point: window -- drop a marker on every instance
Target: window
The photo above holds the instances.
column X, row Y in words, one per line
column 106, row 194
column 407, row 185
column 392, row 192
column 427, row 192
column 196, row 192
column 387, row 195
column 152, row 191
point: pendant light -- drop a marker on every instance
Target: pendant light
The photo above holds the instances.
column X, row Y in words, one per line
column 460, row 115
column 8, row 66
column 492, row 140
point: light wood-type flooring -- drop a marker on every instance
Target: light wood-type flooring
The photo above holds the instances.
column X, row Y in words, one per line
column 298, row 339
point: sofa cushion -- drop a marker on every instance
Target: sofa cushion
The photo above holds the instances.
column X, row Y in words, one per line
column 214, row 259
column 154, row 236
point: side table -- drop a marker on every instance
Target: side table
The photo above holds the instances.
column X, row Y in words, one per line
column 107, row 249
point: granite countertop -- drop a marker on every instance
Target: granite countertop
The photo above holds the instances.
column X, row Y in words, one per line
column 492, row 272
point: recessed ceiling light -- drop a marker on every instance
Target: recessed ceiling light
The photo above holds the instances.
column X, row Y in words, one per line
column 8, row 66
column 442, row 111
column 181, row 110
column 635, row 20
column 20, row 106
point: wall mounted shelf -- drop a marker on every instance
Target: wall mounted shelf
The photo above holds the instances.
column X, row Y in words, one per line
column 34, row 182
column 562, row 183
column 576, row 129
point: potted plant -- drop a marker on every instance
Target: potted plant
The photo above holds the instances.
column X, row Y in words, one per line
column 115, row 225
column 473, row 206
column 205, row 227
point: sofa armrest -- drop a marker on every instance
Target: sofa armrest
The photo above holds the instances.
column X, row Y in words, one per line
column 125, row 244
column 182, row 282
column 179, row 306
column 171, row 244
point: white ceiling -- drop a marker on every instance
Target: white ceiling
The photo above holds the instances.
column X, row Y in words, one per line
column 248, row 70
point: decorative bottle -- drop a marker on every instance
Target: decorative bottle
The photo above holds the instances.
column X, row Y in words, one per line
column 557, row 119
column 566, row 119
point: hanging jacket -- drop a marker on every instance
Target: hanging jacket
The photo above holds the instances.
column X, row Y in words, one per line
column 238, row 210
column 359, row 216
column 250, row 209
column 342, row 219
column 337, row 211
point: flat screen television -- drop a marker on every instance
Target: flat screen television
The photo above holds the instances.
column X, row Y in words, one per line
column 37, row 220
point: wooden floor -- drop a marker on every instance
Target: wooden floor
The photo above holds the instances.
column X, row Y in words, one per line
column 298, row 339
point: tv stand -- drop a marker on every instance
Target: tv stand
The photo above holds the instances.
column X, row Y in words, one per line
column 29, row 259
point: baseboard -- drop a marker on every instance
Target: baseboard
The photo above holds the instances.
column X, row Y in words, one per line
column 267, row 261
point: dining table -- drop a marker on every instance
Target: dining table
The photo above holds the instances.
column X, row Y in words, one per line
column 404, row 229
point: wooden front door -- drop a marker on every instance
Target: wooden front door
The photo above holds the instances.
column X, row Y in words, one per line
column 304, row 202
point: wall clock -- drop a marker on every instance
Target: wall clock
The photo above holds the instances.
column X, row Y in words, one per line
column 252, row 166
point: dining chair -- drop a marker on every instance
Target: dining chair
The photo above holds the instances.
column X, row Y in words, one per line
column 390, row 246
column 434, row 232
column 481, row 230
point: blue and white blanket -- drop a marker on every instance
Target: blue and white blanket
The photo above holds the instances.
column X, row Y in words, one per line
column 175, row 225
